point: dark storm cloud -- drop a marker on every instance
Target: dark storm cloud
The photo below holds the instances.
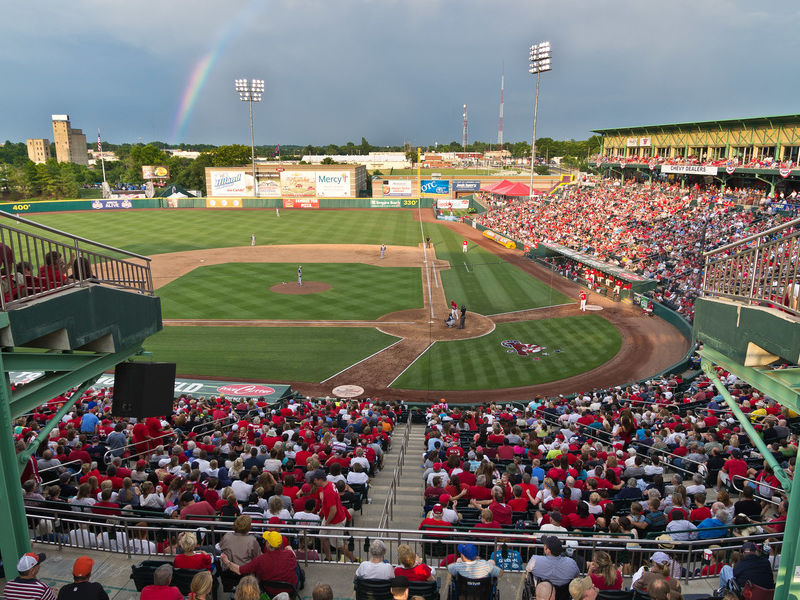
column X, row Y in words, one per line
column 391, row 71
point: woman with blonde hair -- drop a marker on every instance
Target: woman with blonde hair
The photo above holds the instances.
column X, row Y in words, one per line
column 201, row 586
column 411, row 565
column 236, row 468
column 248, row 589
column 191, row 559
column 604, row 572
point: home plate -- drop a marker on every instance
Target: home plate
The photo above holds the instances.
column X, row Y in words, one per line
column 593, row 307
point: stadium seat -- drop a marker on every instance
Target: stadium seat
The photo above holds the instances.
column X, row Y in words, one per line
column 615, row 595
column 276, row 587
column 464, row 588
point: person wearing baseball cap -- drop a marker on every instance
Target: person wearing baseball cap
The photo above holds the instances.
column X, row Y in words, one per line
column 26, row 586
column 275, row 564
column 470, row 565
column 554, row 566
column 753, row 567
column 81, row 588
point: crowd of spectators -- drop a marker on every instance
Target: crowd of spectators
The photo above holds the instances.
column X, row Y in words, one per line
column 658, row 230
column 752, row 162
column 256, row 467
column 663, row 461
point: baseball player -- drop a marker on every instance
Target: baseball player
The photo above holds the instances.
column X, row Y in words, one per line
column 383, row 250
column 464, row 246
column 454, row 309
column 277, row 211
column 583, row 300
column 252, row 239
column 300, row 275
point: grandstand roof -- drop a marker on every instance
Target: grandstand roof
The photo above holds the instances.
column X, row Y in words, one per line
column 721, row 124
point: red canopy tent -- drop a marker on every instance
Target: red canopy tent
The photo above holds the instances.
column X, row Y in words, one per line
column 512, row 189
column 491, row 187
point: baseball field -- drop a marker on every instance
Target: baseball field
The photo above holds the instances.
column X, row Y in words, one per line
column 235, row 310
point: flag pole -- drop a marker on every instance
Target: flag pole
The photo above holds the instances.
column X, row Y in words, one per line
column 100, row 149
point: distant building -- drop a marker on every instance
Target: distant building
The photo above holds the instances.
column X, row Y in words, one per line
column 373, row 160
column 38, row 150
column 70, row 143
column 183, row 153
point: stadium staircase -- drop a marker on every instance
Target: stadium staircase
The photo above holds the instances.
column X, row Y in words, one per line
column 748, row 320
column 81, row 309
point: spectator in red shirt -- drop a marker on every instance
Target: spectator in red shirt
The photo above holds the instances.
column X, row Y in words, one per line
column 191, row 559
column 333, row 514
column 436, row 521
column 411, row 566
column 502, row 512
column 277, row 563
column 604, row 573
column 189, row 508
column 732, row 468
column 161, row 588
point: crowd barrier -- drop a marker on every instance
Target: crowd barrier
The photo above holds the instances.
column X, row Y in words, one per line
column 135, row 536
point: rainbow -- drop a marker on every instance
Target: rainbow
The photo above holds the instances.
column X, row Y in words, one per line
column 205, row 65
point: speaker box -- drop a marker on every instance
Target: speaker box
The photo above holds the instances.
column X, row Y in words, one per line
column 143, row 389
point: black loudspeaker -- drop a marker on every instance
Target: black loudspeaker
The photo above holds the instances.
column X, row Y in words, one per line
column 143, row 389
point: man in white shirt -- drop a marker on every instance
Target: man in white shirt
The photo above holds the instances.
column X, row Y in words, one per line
column 360, row 459
column 241, row 489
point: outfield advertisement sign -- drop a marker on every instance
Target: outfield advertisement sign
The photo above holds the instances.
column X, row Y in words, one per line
column 454, row 203
column 467, row 185
column 269, row 391
column 378, row 203
column 223, row 203
column 435, row 187
column 400, row 187
column 299, row 183
column 155, row 172
column 231, row 183
column 689, row 169
column 269, row 185
column 112, row 204
column 300, row 203
column 333, row 184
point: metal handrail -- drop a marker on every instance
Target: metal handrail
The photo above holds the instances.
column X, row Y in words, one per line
column 132, row 444
column 387, row 513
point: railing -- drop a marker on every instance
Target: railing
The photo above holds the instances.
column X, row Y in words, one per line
column 32, row 265
column 136, row 535
column 387, row 513
column 761, row 269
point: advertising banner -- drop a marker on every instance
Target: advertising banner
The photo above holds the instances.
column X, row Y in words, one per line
column 632, row 142
column 155, row 172
column 269, row 185
column 223, row 203
column 112, row 204
column 467, row 185
column 644, row 142
column 689, row 169
column 436, row 187
column 500, row 239
column 446, row 203
column 231, row 183
column 333, row 184
column 378, row 203
column 300, row 203
column 398, row 187
column 299, row 183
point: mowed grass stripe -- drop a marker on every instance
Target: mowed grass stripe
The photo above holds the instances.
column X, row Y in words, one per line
column 486, row 283
column 269, row 353
column 158, row 231
column 584, row 341
column 242, row 291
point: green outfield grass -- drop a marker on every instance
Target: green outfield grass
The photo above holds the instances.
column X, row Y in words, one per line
column 241, row 291
column 585, row 342
column 484, row 282
column 158, row 231
column 285, row 353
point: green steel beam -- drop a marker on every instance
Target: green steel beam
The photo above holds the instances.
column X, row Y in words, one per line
column 708, row 359
column 50, row 361
column 43, row 389
column 23, row 456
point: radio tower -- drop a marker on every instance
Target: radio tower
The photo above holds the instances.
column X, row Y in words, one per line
column 500, row 124
column 464, row 132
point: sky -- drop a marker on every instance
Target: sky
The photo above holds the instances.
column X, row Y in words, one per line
column 391, row 71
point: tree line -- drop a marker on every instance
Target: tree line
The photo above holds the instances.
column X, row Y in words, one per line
column 21, row 178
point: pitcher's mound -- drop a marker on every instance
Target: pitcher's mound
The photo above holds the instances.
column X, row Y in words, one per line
column 308, row 287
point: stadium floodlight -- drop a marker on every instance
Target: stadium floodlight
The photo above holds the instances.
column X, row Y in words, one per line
column 250, row 91
column 539, row 57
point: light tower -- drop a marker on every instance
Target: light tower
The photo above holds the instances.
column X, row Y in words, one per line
column 464, row 131
column 500, row 124
column 539, row 63
column 251, row 91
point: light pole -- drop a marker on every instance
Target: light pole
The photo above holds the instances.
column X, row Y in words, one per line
column 251, row 91
column 539, row 63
